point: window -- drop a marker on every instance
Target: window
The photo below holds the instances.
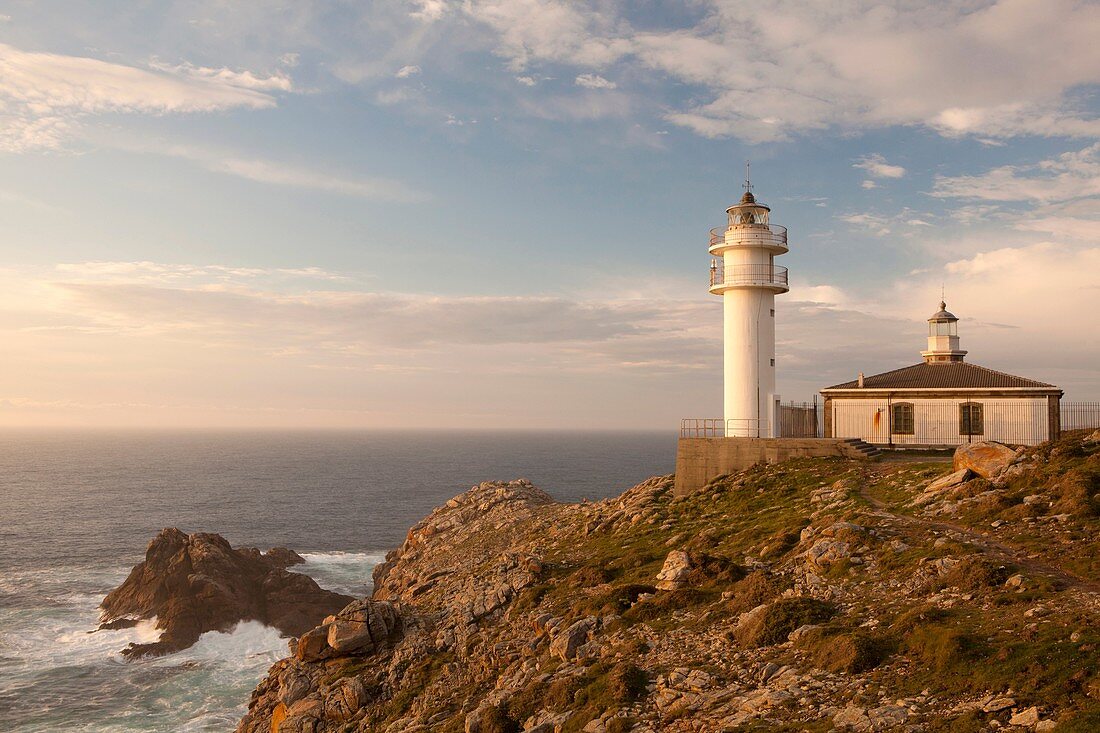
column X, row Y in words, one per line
column 773, row 312
column 970, row 418
column 773, row 362
column 901, row 419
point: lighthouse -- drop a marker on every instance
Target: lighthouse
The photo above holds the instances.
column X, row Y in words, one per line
column 743, row 272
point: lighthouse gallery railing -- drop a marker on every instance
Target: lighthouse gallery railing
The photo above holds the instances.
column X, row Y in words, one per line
column 771, row 236
column 747, row 274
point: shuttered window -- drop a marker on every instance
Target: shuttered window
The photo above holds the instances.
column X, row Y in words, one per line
column 970, row 418
column 901, row 418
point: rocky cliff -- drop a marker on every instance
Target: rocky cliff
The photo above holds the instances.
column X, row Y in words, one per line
column 197, row 583
column 813, row 595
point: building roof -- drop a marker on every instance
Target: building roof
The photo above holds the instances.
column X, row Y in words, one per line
column 946, row 375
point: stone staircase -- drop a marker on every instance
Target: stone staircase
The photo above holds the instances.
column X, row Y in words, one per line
column 859, row 449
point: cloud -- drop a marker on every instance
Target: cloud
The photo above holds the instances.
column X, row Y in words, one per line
column 868, row 184
column 878, row 225
column 855, row 65
column 876, row 166
column 278, row 173
column 276, row 82
column 103, row 335
column 147, row 273
column 527, row 81
column 43, row 96
column 1072, row 175
column 406, row 71
column 429, row 10
column 593, row 81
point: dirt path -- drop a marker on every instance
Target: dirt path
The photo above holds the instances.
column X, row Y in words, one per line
column 1015, row 555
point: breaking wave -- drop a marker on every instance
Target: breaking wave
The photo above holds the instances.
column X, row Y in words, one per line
column 58, row 673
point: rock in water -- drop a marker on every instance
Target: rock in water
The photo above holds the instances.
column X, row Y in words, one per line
column 197, row 583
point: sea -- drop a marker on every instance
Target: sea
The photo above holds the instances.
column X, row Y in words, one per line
column 77, row 509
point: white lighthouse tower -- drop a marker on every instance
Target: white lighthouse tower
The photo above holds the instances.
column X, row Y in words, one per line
column 744, row 273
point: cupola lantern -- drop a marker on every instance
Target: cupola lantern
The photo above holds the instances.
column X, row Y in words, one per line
column 943, row 338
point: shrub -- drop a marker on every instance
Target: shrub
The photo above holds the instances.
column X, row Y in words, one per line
column 850, row 652
column 561, row 692
column 939, row 646
column 615, row 601
column 633, row 559
column 917, row 617
column 588, row 576
column 626, row 683
column 754, row 589
column 664, row 604
column 1077, row 494
column 496, row 720
column 713, row 569
column 974, row 573
column 774, row 623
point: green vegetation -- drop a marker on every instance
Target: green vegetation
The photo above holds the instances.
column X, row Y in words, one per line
column 774, row 623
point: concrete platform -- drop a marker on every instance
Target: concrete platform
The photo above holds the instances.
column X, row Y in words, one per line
column 698, row 460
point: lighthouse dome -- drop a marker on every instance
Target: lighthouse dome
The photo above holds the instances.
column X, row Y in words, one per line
column 943, row 314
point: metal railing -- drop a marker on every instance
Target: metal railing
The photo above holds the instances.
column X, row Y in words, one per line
column 772, row 235
column 748, row 275
column 944, row 423
column 717, row 427
column 800, row 420
column 1080, row 415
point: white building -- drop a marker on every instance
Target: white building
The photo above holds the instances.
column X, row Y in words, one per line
column 942, row 401
column 744, row 273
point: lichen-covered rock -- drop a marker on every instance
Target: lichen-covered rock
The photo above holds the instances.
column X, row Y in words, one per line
column 987, row 459
column 675, row 571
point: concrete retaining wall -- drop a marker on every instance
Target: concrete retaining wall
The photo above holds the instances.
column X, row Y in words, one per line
column 698, row 460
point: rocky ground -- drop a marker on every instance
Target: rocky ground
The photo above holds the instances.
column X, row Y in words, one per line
column 197, row 583
column 813, row 595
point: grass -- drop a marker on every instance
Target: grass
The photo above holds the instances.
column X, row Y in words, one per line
column 774, row 623
column 983, row 643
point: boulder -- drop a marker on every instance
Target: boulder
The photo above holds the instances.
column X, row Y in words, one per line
column 1028, row 717
column 675, row 572
column 995, row 704
column 363, row 627
column 987, row 459
column 950, row 480
column 566, row 643
column 194, row 583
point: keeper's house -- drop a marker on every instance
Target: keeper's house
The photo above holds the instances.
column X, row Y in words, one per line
column 942, row 401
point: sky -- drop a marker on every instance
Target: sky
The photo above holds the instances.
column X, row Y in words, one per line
column 493, row 214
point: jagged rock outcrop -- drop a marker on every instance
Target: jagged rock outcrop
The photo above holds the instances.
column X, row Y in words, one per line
column 809, row 594
column 197, row 583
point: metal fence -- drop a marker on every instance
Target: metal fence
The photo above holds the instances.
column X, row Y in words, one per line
column 800, row 420
column 913, row 423
column 1080, row 415
column 745, row 275
column 929, row 423
column 717, row 427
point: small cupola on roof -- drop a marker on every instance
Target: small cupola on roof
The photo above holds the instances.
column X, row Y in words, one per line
column 943, row 338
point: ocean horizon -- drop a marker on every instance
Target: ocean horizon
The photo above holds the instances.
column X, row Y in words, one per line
column 80, row 506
